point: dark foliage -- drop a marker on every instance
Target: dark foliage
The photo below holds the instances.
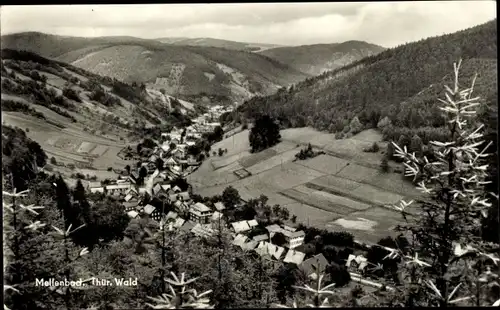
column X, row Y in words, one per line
column 21, row 157
column 265, row 133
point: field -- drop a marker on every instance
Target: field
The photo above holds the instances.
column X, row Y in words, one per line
column 340, row 190
column 69, row 144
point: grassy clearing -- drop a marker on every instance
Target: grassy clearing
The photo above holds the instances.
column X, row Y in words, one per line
column 386, row 220
column 325, row 163
column 376, row 195
column 253, row 159
column 357, row 173
column 288, row 176
column 396, row 184
column 318, row 202
column 272, row 162
column 333, row 182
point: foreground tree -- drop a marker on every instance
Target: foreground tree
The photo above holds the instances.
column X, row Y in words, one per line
column 454, row 263
column 265, row 133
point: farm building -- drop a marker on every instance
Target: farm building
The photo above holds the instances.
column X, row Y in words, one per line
column 293, row 239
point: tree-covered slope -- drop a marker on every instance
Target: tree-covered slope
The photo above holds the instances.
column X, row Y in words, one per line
column 318, row 58
column 400, row 83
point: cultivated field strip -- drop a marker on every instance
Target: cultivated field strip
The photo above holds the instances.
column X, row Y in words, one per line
column 357, row 173
column 273, row 162
column 324, row 163
column 337, row 199
column 317, row 202
column 332, row 181
column 253, row 159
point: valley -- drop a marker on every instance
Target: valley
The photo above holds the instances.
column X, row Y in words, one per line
column 208, row 173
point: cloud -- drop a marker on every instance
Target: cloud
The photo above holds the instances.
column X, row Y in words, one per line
column 384, row 23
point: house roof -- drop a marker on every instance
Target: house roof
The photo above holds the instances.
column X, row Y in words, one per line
column 172, row 214
column 130, row 204
column 129, row 197
column 274, row 228
column 317, row 260
column 165, row 187
column 148, row 209
column 239, row 240
column 274, row 250
column 188, row 225
column 176, row 189
column 95, row 184
column 249, row 245
column 179, row 222
column 219, row 206
column 252, row 223
column 157, row 188
column 202, row 230
column 295, row 234
column 294, row 257
column 200, row 207
column 240, row 226
column 131, row 191
column 216, row 216
column 260, row 237
column 292, row 229
column 132, row 214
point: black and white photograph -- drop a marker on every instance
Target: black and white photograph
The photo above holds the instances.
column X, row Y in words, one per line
column 250, row 155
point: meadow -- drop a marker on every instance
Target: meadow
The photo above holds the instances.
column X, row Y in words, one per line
column 341, row 190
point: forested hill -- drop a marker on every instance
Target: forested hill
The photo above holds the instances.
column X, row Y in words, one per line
column 401, row 83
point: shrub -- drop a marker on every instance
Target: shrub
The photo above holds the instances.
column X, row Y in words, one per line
column 53, row 160
column 374, row 148
column 71, row 94
column 110, row 168
column 384, row 165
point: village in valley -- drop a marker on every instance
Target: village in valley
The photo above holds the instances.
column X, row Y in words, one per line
column 169, row 163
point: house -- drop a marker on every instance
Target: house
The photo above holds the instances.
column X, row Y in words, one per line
column 202, row 230
column 176, row 189
column 241, row 226
column 248, row 246
column 157, row 189
column 148, row 209
column 181, row 206
column 129, row 197
column 117, row 189
column 190, row 143
column 133, row 177
column 172, row 215
column 262, row 237
column 179, row 153
column 239, row 240
column 252, row 223
column 314, row 266
column 179, row 222
column 219, row 206
column 216, row 216
column 129, row 206
column 131, row 191
column 187, row 227
column 294, row 257
column 266, row 248
column 175, row 140
column 95, row 187
column 273, row 229
column 165, row 147
column 165, row 187
column 132, row 214
column 293, row 239
column 184, row 196
column 200, row 213
column 170, row 162
column 153, row 158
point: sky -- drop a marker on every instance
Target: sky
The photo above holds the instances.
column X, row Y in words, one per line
column 384, row 23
